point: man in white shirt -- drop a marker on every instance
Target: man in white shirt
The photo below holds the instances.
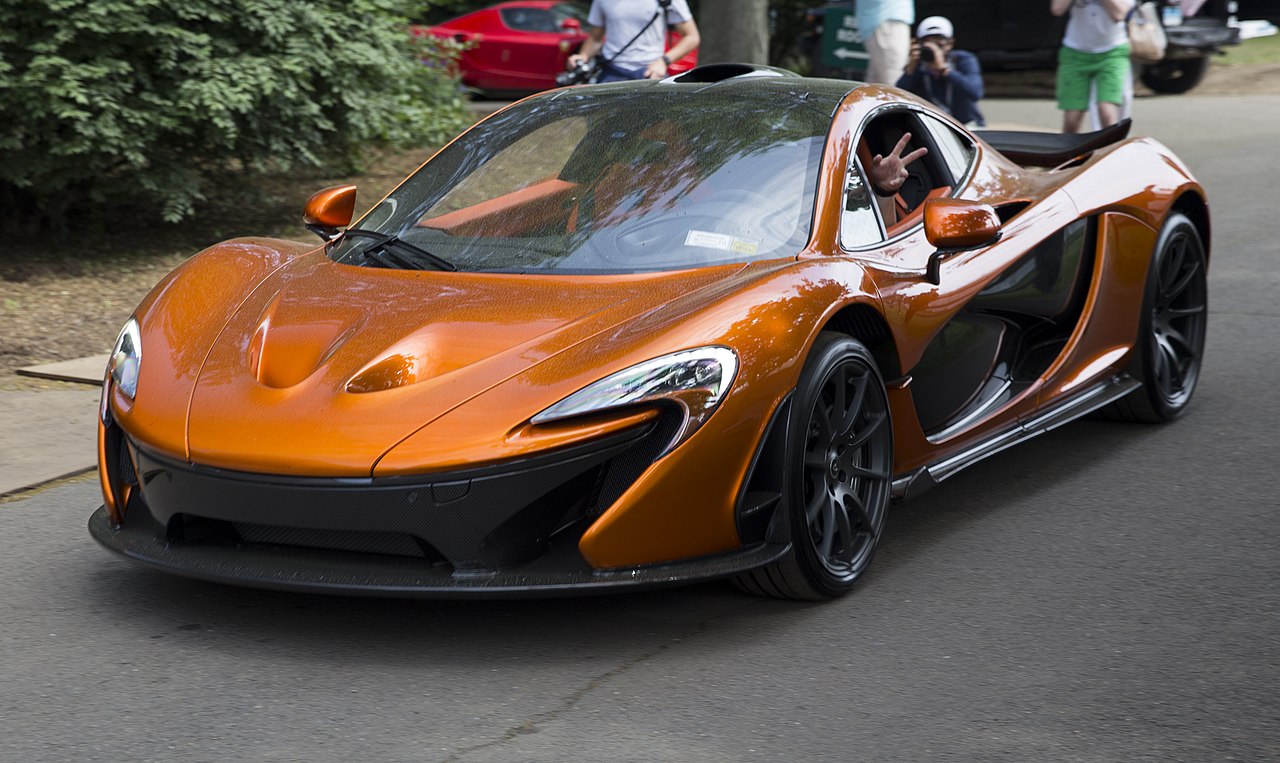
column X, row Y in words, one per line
column 635, row 44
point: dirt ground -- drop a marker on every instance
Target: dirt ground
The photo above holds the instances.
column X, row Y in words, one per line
column 61, row 300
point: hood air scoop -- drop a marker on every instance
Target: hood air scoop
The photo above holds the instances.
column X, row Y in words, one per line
column 285, row 350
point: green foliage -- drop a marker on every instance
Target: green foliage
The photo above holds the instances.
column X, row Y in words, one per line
column 142, row 101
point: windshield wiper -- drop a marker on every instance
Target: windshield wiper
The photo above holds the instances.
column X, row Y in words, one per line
column 397, row 252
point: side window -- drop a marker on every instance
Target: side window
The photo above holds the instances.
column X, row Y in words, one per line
column 859, row 224
column 528, row 19
column 868, row 217
column 957, row 150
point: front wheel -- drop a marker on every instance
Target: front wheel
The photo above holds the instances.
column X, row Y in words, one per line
column 840, row 462
column 1172, row 332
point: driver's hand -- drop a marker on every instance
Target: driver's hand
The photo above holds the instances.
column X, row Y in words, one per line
column 890, row 172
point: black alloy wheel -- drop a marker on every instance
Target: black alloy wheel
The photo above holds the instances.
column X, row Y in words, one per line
column 1175, row 315
column 840, row 470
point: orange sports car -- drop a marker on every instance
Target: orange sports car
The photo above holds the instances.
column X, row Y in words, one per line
column 645, row 333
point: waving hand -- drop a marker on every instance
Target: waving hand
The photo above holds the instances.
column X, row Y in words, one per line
column 889, row 172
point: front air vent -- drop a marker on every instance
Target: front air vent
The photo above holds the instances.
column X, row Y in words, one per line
column 1010, row 210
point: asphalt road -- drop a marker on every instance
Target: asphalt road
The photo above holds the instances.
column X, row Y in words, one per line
column 1103, row 593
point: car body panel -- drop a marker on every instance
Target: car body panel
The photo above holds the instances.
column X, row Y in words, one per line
column 181, row 318
column 294, row 360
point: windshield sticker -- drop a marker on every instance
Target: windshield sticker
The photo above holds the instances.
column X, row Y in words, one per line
column 723, row 241
column 708, row 240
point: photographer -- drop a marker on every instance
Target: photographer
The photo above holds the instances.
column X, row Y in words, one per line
column 939, row 73
column 637, row 35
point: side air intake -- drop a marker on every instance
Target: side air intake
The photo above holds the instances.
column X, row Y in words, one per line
column 721, row 72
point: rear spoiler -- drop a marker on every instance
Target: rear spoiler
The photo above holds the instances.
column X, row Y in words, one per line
column 1050, row 149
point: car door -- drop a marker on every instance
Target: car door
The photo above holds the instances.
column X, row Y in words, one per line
column 530, row 52
column 981, row 325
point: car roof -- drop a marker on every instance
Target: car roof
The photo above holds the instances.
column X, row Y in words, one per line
column 823, row 95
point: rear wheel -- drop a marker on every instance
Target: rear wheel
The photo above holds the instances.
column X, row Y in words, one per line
column 841, row 459
column 1175, row 314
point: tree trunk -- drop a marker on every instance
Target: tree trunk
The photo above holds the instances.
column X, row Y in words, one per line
column 734, row 31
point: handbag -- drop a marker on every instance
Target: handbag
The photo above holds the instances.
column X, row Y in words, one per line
column 1147, row 40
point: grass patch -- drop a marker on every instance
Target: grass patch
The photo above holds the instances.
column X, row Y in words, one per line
column 1258, row 51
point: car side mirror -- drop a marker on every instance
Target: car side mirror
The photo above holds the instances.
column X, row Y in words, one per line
column 329, row 210
column 571, row 25
column 957, row 225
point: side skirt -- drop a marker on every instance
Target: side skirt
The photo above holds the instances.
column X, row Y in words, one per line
column 1109, row 390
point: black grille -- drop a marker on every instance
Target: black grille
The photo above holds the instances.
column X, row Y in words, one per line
column 628, row 466
column 391, row 544
column 193, row 530
column 497, row 517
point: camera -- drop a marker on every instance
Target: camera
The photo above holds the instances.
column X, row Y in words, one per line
column 581, row 72
column 929, row 55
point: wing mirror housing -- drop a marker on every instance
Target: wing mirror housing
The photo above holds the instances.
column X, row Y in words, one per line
column 954, row 226
column 330, row 210
column 571, row 25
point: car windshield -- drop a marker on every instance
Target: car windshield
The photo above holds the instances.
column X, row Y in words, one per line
column 610, row 179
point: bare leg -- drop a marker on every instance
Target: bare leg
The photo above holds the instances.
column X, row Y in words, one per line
column 1108, row 113
column 1071, row 119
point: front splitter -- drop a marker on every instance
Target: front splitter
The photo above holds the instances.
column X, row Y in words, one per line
column 303, row 570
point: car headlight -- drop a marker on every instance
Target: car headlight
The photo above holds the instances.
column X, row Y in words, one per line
column 126, row 358
column 696, row 379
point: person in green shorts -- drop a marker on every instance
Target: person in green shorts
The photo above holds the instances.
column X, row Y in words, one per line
column 1095, row 52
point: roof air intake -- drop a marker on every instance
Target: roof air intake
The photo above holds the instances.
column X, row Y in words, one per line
column 721, row 72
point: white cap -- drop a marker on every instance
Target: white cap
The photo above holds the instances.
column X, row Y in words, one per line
column 935, row 25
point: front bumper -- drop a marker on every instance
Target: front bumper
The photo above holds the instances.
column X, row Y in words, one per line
column 507, row 530
column 317, row 571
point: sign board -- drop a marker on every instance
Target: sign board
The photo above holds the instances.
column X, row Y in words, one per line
column 842, row 46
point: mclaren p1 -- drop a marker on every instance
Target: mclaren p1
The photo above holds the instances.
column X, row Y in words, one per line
column 627, row 335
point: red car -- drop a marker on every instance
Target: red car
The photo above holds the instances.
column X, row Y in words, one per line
column 520, row 46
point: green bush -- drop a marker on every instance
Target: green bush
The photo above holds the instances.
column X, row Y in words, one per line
column 142, row 101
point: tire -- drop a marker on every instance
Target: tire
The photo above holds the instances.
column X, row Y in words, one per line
column 1175, row 76
column 839, row 470
column 1170, row 345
